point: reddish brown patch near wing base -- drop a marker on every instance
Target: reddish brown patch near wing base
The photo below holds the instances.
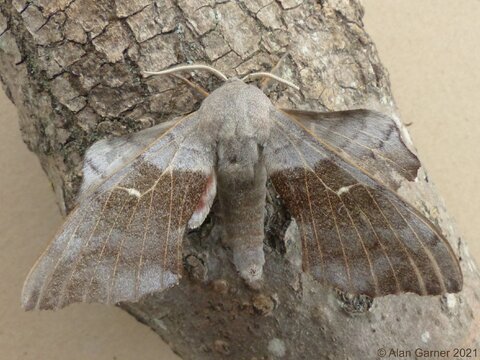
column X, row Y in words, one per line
column 204, row 198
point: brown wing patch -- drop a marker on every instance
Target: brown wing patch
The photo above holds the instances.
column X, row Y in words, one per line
column 357, row 235
column 124, row 240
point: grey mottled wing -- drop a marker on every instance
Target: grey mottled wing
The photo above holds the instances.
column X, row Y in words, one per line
column 106, row 156
column 369, row 139
column 357, row 235
column 124, row 239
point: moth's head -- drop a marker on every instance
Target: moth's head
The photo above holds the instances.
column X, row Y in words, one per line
column 235, row 90
column 237, row 96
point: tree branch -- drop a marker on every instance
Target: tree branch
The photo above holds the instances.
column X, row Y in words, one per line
column 74, row 70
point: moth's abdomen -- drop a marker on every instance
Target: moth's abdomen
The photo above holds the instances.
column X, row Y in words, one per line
column 242, row 202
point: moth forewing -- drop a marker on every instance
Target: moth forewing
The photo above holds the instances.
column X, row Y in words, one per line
column 357, row 235
column 124, row 240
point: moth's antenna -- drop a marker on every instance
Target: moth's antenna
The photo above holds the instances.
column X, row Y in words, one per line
column 271, row 76
column 189, row 67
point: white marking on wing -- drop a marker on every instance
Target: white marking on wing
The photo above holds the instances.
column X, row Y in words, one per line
column 344, row 189
column 131, row 191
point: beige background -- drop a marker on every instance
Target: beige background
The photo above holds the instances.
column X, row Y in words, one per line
column 431, row 50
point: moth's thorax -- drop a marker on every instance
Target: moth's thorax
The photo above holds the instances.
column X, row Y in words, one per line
column 236, row 117
column 237, row 111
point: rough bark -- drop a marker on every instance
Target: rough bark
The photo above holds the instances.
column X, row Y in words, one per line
column 73, row 69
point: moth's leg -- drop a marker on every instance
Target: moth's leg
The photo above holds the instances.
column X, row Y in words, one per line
column 200, row 90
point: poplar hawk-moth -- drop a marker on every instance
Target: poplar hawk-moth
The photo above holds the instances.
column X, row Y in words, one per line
column 336, row 173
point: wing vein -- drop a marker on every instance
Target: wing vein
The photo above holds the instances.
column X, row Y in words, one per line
column 306, row 266
column 140, row 262
column 82, row 249
column 64, row 250
column 386, row 158
column 340, row 238
column 180, row 233
column 433, row 261
column 104, row 246
column 165, row 252
column 420, row 280
column 399, row 288
column 119, row 253
column 360, row 238
column 306, row 166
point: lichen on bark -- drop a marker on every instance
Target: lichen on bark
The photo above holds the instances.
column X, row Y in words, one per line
column 74, row 70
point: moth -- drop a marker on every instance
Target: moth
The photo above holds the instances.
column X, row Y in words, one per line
column 336, row 172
